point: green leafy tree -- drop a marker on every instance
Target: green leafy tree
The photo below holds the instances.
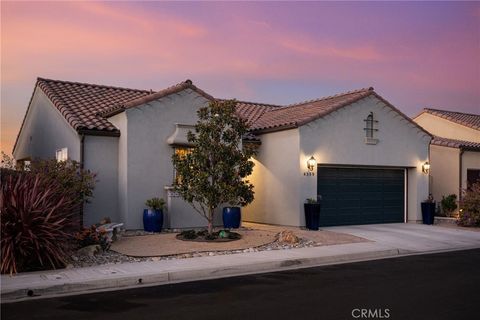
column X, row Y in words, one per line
column 215, row 171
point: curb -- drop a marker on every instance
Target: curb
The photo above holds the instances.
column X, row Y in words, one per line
column 170, row 277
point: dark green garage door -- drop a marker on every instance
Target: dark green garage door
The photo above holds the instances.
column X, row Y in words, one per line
column 360, row 195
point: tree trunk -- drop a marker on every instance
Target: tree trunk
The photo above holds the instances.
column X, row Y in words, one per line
column 210, row 221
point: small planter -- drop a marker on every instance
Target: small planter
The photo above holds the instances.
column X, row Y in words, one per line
column 428, row 212
column 231, row 217
column 312, row 215
column 152, row 220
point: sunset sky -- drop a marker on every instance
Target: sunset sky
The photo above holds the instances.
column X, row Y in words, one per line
column 414, row 54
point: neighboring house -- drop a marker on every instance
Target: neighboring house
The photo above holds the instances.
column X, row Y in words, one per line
column 454, row 151
column 368, row 154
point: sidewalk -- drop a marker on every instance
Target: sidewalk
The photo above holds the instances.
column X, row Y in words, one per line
column 390, row 241
column 78, row 280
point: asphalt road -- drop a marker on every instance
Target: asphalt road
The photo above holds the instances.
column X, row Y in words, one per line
column 439, row 286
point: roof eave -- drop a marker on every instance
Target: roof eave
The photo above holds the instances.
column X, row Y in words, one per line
column 275, row 129
column 105, row 133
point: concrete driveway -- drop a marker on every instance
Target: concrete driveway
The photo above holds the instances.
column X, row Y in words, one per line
column 412, row 238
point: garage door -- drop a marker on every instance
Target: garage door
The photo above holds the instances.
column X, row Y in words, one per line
column 360, row 195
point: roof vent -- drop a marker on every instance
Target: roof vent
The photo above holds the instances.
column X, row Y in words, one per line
column 188, row 81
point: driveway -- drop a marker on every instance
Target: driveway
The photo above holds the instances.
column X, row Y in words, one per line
column 411, row 238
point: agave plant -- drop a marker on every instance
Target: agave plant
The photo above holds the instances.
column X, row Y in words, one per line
column 36, row 223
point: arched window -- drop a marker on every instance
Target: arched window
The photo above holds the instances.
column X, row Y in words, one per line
column 370, row 128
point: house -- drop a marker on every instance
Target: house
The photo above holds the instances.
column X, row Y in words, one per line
column 364, row 156
column 454, row 151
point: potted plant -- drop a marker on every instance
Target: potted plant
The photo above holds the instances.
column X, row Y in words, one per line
column 153, row 217
column 428, row 210
column 312, row 212
column 231, row 217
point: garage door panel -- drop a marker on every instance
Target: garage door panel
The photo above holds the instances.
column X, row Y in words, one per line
column 360, row 195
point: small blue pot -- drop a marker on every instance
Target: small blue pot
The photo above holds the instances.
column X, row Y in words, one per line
column 152, row 220
column 231, row 217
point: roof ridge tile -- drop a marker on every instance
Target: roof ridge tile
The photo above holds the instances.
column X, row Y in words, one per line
column 91, row 84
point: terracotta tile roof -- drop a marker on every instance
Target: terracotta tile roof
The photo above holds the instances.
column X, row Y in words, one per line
column 123, row 105
column 459, row 144
column 298, row 114
column 252, row 111
column 465, row 119
column 86, row 107
column 80, row 103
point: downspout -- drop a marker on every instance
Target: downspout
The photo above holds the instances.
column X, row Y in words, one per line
column 460, row 166
column 82, row 159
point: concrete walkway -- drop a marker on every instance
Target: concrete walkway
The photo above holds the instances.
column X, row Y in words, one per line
column 388, row 241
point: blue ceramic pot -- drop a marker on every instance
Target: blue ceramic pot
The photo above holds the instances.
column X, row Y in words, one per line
column 312, row 215
column 231, row 217
column 152, row 220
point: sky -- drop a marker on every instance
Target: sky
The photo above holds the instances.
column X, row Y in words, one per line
column 415, row 54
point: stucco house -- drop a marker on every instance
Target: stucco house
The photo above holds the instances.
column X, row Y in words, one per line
column 454, row 151
column 366, row 156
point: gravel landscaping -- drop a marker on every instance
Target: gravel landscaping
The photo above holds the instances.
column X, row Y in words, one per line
column 322, row 238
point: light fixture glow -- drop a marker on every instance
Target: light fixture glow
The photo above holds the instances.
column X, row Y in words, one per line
column 311, row 163
column 426, row 167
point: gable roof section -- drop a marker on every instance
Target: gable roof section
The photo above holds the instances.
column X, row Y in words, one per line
column 295, row 115
column 469, row 120
column 79, row 103
column 453, row 143
column 122, row 106
column 86, row 107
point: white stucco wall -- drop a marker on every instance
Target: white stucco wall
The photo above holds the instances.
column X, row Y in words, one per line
column 447, row 129
column 444, row 171
column 281, row 186
column 101, row 157
column 276, row 178
column 45, row 130
column 145, row 166
column 120, row 122
column 339, row 138
column 470, row 160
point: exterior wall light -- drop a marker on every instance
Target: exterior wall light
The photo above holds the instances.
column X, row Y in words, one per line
column 426, row 167
column 311, row 163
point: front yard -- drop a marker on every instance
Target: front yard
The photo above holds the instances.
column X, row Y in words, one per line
column 136, row 246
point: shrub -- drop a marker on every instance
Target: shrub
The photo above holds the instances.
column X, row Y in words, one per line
column 90, row 236
column 36, row 222
column 75, row 182
column 449, row 204
column 189, row 234
column 215, row 171
column 470, row 207
column 155, row 203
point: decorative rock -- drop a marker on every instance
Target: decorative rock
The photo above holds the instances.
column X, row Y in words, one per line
column 89, row 251
column 287, row 236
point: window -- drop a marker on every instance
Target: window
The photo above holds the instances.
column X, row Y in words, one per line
column 61, row 154
column 181, row 152
column 370, row 129
column 473, row 176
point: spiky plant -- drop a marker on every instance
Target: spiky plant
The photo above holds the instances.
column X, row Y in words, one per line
column 36, row 222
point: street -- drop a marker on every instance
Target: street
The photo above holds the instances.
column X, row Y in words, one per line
column 434, row 286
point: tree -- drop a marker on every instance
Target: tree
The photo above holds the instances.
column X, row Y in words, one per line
column 214, row 171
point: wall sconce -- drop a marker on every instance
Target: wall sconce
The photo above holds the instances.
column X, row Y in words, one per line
column 426, row 167
column 311, row 163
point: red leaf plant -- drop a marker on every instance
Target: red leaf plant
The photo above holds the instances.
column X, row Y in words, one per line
column 37, row 220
